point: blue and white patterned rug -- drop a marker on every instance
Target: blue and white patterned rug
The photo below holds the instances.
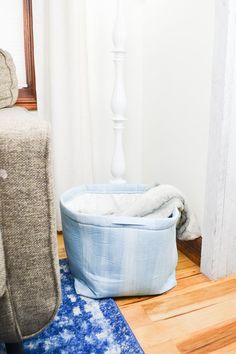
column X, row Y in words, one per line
column 83, row 326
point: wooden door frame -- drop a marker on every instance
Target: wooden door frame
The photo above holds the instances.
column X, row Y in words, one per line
column 219, row 229
column 27, row 95
column 218, row 256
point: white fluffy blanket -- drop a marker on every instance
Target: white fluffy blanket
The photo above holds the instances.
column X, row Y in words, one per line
column 160, row 201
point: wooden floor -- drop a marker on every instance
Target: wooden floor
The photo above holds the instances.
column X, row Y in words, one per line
column 198, row 316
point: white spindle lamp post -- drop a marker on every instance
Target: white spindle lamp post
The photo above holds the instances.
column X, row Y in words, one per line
column 118, row 101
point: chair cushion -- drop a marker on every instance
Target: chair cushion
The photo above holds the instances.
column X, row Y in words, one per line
column 8, row 80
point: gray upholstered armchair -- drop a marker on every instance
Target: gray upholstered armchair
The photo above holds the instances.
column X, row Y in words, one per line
column 29, row 277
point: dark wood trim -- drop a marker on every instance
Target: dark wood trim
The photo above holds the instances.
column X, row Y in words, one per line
column 27, row 95
column 191, row 249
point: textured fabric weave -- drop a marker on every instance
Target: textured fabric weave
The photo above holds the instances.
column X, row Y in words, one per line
column 9, row 330
column 27, row 219
column 2, row 269
column 8, row 80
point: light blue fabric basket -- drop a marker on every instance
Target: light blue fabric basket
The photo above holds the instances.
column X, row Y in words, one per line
column 113, row 256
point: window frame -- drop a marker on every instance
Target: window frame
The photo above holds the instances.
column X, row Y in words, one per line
column 27, row 95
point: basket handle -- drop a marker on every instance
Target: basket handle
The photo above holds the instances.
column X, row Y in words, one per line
column 164, row 222
column 127, row 222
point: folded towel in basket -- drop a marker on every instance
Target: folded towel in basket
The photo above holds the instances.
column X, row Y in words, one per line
column 160, row 201
column 155, row 202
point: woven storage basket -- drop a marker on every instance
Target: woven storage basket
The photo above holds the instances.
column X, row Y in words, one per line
column 8, row 80
column 118, row 256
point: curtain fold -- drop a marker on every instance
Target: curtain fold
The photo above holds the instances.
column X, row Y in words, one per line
column 62, row 88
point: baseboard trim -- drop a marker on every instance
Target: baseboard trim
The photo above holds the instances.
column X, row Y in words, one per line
column 191, row 249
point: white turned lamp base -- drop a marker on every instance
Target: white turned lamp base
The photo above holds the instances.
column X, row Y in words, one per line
column 118, row 101
column 118, row 181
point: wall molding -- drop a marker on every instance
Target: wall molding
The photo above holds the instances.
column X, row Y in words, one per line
column 191, row 249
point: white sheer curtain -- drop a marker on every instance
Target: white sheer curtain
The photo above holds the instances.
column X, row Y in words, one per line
column 74, row 75
column 62, row 87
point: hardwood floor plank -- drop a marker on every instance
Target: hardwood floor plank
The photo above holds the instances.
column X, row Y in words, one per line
column 183, row 262
column 137, row 316
column 192, row 300
column 180, row 326
column 61, row 246
column 168, row 347
column 183, row 285
column 228, row 348
column 214, row 339
column 127, row 301
column 189, row 272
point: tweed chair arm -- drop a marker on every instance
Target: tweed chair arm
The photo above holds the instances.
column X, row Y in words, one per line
column 27, row 219
column 2, row 268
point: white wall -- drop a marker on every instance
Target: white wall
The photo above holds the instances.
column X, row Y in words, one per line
column 178, row 47
column 168, row 76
